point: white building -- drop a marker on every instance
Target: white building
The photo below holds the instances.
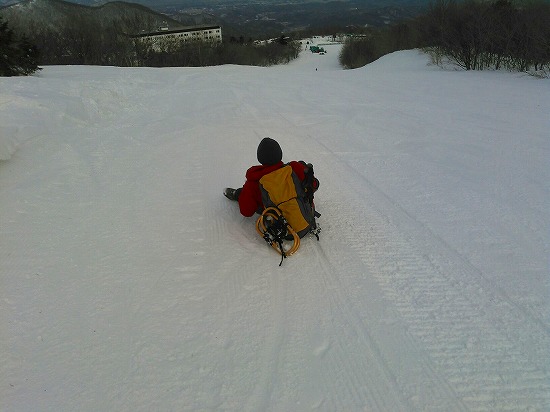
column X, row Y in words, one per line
column 163, row 37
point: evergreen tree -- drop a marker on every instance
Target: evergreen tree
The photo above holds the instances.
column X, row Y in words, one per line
column 17, row 55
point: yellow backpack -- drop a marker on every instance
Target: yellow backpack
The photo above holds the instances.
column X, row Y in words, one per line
column 289, row 212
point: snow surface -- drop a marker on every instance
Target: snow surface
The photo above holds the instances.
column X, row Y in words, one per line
column 129, row 283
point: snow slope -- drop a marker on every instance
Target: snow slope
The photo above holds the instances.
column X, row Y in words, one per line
column 128, row 283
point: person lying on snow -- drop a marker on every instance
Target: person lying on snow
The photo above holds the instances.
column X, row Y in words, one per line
column 270, row 156
column 282, row 194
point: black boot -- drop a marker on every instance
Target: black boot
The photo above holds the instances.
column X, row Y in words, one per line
column 232, row 194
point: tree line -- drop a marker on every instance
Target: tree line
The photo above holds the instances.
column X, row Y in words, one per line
column 165, row 54
column 84, row 41
column 474, row 35
column 18, row 56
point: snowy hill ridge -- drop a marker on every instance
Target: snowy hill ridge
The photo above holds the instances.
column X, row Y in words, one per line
column 129, row 283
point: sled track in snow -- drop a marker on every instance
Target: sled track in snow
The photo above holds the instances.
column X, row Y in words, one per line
column 395, row 371
column 372, row 324
column 489, row 350
column 360, row 392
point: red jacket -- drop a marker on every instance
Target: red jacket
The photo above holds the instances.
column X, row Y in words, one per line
column 250, row 198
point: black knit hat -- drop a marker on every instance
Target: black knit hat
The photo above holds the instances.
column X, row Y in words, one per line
column 269, row 152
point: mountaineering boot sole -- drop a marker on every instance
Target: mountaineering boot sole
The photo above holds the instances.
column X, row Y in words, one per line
column 231, row 194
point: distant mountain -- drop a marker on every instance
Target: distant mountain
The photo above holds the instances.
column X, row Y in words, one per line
column 54, row 14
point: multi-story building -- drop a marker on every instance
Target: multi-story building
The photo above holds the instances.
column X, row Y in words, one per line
column 162, row 37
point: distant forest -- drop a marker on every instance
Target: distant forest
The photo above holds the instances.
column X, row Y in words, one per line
column 473, row 35
column 87, row 40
